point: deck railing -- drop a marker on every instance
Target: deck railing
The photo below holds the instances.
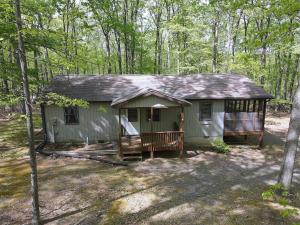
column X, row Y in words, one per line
column 162, row 141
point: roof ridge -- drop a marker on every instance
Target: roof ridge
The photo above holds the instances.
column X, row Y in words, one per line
column 152, row 75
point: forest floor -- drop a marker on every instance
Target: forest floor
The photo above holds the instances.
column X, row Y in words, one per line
column 203, row 188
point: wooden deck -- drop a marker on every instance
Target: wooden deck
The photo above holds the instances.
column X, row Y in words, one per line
column 152, row 142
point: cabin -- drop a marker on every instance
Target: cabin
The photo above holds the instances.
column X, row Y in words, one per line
column 150, row 113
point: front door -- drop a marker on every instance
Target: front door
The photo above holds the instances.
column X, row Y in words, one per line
column 133, row 115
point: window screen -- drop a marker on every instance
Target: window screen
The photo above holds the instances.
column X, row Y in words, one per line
column 156, row 115
column 132, row 115
column 71, row 115
column 205, row 111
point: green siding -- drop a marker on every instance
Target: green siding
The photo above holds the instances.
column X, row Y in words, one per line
column 167, row 119
column 100, row 122
column 196, row 130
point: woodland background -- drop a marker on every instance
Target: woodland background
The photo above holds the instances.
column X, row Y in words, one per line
column 258, row 38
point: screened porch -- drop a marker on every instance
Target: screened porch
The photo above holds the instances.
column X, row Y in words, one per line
column 245, row 117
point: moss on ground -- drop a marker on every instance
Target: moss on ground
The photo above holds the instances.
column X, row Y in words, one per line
column 13, row 136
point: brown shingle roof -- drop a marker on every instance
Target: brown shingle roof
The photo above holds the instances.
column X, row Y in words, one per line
column 198, row 86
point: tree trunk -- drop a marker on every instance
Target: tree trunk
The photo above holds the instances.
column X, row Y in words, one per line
column 245, row 32
column 29, row 122
column 294, row 74
column 46, row 54
column 107, row 42
column 287, row 76
column 157, row 50
column 119, row 53
column 126, row 35
column 5, row 81
column 215, row 43
column 36, row 68
column 169, row 39
column 279, row 79
column 286, row 173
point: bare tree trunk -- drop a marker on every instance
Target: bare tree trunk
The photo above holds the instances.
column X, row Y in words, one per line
column 286, row 173
column 29, row 122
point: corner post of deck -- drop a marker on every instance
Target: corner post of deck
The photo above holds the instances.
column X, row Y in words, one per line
column 261, row 136
column 120, row 135
column 181, row 129
column 152, row 146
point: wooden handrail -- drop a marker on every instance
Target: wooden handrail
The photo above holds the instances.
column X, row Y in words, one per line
column 160, row 141
column 163, row 132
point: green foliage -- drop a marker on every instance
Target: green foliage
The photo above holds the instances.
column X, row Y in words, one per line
column 273, row 190
column 9, row 99
column 279, row 194
column 102, row 109
column 220, row 146
column 63, row 101
column 281, row 102
column 288, row 212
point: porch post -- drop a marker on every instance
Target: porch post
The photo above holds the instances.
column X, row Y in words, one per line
column 181, row 128
column 152, row 148
column 120, row 135
column 261, row 136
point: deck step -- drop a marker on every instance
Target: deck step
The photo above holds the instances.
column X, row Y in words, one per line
column 133, row 157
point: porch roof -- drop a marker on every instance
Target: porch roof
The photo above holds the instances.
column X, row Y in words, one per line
column 147, row 92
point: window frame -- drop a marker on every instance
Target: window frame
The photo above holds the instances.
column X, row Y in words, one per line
column 201, row 118
column 137, row 115
column 156, row 116
column 76, row 115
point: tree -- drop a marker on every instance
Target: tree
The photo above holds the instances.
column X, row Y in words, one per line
column 286, row 173
column 29, row 121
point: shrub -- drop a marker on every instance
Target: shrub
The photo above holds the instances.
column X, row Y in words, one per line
column 277, row 193
column 220, row 146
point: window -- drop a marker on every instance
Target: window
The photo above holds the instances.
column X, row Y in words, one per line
column 205, row 112
column 132, row 115
column 156, row 115
column 71, row 115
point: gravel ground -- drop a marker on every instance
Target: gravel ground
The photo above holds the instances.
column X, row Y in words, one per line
column 203, row 188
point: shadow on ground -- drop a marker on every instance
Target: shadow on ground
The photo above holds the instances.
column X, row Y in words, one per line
column 202, row 188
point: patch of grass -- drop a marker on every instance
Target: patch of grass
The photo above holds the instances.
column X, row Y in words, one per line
column 220, row 146
column 277, row 193
column 13, row 136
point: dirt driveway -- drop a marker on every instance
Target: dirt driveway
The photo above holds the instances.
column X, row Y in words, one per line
column 204, row 188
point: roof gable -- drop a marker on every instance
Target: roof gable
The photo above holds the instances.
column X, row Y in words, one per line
column 147, row 92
